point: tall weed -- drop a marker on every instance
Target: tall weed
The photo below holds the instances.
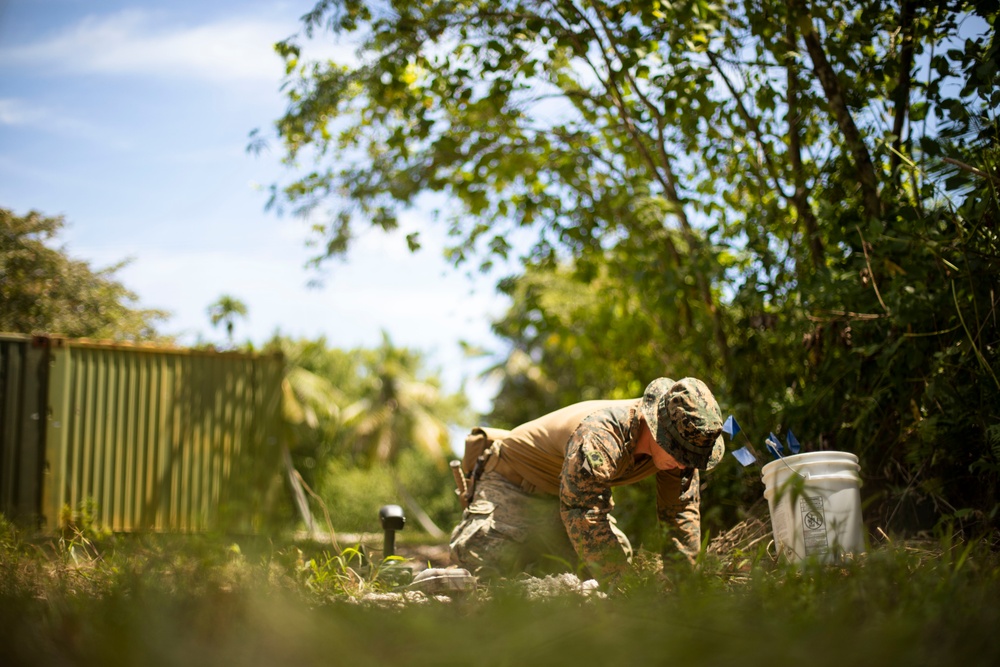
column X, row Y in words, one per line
column 200, row 600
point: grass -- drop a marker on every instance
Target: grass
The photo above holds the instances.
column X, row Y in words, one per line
column 196, row 600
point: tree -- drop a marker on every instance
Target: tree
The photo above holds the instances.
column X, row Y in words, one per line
column 372, row 412
column 319, row 383
column 575, row 340
column 225, row 310
column 310, row 407
column 401, row 408
column 803, row 196
column 43, row 290
column 513, row 109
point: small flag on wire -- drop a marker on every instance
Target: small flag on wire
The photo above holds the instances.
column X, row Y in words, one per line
column 744, row 456
column 731, row 427
column 774, row 445
column 793, row 443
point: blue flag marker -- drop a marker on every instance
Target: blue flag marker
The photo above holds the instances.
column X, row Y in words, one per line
column 774, row 445
column 744, row 456
column 793, row 443
column 731, row 428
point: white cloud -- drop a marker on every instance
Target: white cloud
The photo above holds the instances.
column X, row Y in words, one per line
column 14, row 112
column 137, row 42
column 415, row 296
column 18, row 113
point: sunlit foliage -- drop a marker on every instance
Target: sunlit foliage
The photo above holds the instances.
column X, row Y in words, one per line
column 794, row 201
column 44, row 290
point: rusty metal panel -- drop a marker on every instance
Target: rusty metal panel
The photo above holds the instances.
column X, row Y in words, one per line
column 160, row 438
column 22, row 412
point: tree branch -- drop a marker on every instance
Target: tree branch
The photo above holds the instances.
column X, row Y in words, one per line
column 835, row 97
column 969, row 168
column 901, row 93
column 663, row 174
column 801, row 196
column 751, row 122
column 619, row 101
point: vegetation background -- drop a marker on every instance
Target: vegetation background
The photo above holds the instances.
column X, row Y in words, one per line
column 796, row 202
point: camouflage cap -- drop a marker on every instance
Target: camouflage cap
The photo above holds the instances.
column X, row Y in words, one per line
column 685, row 420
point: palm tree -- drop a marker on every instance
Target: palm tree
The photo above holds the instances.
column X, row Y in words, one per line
column 226, row 309
column 307, row 399
column 399, row 410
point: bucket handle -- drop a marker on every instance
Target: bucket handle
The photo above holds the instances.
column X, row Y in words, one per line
column 782, row 459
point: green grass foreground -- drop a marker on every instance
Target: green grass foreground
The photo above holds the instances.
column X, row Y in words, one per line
column 162, row 600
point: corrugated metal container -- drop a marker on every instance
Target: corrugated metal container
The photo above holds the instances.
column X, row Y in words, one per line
column 151, row 438
column 23, row 372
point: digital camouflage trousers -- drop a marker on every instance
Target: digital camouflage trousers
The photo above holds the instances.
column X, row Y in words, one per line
column 505, row 530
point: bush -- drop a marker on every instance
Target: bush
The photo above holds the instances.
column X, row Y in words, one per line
column 353, row 494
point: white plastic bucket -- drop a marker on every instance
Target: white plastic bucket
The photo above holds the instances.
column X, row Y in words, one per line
column 815, row 505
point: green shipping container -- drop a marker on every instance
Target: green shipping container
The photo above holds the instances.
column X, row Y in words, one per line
column 150, row 438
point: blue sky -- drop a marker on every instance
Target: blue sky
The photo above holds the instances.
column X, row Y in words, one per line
column 131, row 120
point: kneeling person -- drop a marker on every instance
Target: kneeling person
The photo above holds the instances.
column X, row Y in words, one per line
column 544, row 500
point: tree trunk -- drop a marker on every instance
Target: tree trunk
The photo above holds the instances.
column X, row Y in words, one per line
column 301, row 502
column 901, row 93
column 801, row 197
column 704, row 288
column 842, row 115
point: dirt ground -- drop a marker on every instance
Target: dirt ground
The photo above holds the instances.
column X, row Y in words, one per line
column 745, row 536
column 425, row 555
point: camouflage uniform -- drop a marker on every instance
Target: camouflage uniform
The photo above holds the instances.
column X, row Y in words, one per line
column 505, row 530
column 547, row 498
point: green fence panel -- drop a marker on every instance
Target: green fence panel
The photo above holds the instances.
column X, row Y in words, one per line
column 145, row 438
